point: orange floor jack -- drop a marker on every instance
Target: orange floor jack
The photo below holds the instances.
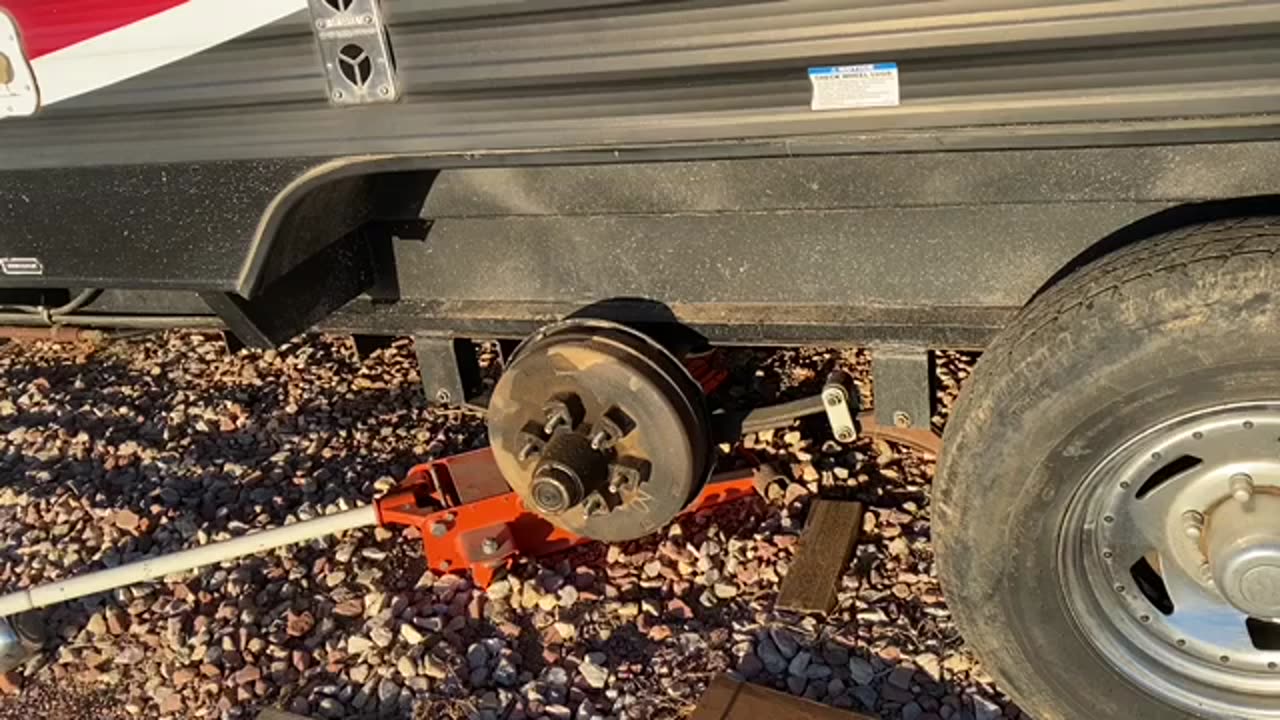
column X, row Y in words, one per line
column 471, row 521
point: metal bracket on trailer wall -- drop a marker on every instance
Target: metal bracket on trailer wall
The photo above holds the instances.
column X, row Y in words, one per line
column 19, row 96
column 358, row 66
column 450, row 370
column 900, row 381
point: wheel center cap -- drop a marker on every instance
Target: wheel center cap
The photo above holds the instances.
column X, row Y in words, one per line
column 1260, row 585
column 1244, row 553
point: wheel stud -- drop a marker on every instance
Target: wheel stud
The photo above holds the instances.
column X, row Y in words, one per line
column 529, row 450
column 556, row 419
column 601, row 440
column 1241, row 487
column 595, row 505
column 564, row 410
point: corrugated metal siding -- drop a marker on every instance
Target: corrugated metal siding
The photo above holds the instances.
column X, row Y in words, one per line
column 510, row 75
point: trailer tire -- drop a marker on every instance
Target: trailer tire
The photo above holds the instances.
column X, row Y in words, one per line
column 1175, row 325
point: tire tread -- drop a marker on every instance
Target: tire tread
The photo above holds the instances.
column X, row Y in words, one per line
column 1146, row 282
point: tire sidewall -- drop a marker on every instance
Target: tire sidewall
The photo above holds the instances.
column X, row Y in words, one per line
column 1044, row 415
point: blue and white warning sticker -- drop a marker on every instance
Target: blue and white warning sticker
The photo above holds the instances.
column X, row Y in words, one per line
column 854, row 86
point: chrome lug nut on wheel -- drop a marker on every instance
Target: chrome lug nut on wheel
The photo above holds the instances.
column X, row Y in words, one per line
column 1193, row 524
column 1241, row 487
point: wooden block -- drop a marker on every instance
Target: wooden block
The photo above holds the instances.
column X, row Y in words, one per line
column 269, row 714
column 727, row 699
column 718, row 700
column 823, row 553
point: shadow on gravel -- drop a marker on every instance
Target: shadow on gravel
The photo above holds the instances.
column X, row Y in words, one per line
column 104, row 444
column 856, row 645
column 112, row 459
column 137, row 451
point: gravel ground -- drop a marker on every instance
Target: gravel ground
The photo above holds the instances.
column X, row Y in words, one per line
column 112, row 452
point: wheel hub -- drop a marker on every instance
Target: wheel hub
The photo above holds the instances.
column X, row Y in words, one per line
column 1170, row 559
column 1243, row 548
column 601, row 430
column 568, row 468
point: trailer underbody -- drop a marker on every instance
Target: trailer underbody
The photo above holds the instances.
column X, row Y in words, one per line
column 601, row 193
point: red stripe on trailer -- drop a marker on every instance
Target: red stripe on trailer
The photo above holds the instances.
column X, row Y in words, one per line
column 49, row 25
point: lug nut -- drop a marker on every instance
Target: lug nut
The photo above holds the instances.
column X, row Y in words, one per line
column 489, row 546
column 1206, row 573
column 1193, row 524
column 438, row 529
column 1241, row 487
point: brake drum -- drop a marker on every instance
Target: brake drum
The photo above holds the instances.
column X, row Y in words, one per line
column 600, row 429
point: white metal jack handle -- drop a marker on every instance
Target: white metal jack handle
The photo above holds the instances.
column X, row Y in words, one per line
column 184, row 560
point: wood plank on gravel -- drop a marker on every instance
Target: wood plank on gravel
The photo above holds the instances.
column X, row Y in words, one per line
column 728, row 699
column 269, row 714
column 825, row 547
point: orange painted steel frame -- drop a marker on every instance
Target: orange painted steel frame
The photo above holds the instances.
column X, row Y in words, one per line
column 470, row 520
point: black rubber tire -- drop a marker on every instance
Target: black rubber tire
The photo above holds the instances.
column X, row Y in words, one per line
column 1179, row 322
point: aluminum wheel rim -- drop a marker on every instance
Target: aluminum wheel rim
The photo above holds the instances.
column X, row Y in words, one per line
column 1190, row 647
